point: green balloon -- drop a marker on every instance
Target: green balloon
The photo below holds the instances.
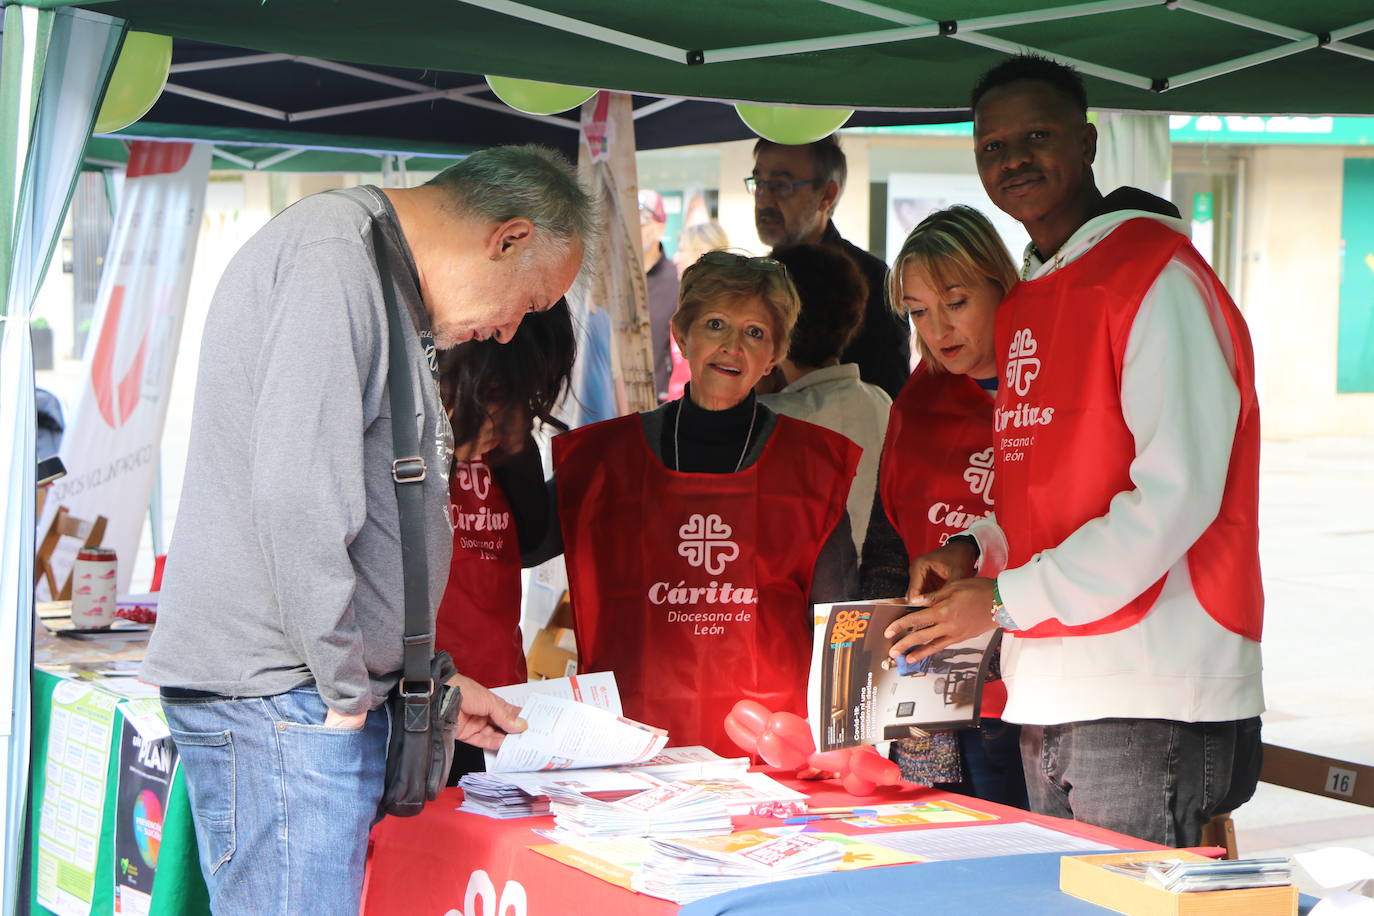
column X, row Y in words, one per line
column 793, row 126
column 533, row 97
column 137, row 81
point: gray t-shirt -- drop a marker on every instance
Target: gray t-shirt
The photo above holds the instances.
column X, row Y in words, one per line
column 285, row 564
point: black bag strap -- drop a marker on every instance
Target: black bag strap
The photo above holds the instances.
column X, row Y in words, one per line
column 408, row 470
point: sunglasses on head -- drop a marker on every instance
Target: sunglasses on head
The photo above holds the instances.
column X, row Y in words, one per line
column 729, row 259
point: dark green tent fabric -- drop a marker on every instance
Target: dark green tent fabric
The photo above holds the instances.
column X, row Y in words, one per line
column 1155, row 41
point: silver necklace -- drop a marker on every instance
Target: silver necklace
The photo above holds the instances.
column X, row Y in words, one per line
column 677, row 423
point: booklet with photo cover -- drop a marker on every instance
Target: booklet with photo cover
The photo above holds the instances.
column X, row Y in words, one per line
column 858, row 695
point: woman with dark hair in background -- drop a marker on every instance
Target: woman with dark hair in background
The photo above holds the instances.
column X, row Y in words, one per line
column 821, row 389
column 497, row 497
column 935, row 475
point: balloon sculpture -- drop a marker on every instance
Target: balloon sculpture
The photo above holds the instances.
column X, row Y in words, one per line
column 533, row 97
column 137, row 80
column 783, row 740
column 792, row 126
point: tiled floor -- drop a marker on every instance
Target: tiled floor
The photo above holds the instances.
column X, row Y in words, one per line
column 1317, row 544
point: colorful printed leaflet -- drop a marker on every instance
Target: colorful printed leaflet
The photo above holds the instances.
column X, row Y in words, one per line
column 671, row 810
column 916, row 813
column 689, row 869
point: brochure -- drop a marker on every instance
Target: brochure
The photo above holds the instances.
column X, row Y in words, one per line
column 859, row 695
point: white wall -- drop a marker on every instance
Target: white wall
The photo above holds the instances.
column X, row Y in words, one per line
column 1290, row 254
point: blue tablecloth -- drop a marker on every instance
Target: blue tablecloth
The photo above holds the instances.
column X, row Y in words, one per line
column 1026, row 885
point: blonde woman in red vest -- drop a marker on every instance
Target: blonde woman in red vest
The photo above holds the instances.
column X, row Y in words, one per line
column 1125, row 547
column 498, row 502
column 698, row 534
column 935, row 476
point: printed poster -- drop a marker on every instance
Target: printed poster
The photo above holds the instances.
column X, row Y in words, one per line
column 73, row 797
column 146, row 767
column 113, row 436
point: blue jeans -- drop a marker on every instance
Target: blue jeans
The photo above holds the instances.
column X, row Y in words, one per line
column 282, row 803
column 1155, row 779
column 991, row 755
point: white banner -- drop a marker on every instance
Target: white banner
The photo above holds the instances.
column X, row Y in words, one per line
column 111, row 445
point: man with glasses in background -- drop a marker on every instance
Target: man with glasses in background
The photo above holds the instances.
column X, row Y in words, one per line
column 795, row 190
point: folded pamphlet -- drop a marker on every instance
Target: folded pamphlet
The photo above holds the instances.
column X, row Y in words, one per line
column 859, row 695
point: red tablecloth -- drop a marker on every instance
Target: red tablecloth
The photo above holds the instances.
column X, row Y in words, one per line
column 447, row 862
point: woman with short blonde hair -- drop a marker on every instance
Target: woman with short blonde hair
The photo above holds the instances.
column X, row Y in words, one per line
column 955, row 247
column 698, row 534
column 935, row 475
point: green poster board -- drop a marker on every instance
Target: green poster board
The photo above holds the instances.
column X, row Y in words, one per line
column 179, row 889
column 1355, row 340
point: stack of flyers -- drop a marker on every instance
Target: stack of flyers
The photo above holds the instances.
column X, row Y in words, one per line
column 499, row 799
column 684, row 870
column 506, row 795
column 669, row 810
column 1187, row 877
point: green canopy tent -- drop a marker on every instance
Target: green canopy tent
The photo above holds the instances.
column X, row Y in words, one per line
column 1235, row 56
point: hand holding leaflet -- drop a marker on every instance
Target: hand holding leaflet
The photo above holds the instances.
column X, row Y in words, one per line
column 564, row 734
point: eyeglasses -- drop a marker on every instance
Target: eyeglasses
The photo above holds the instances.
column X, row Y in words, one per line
column 722, row 258
column 781, row 190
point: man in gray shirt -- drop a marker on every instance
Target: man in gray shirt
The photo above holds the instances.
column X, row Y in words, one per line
column 282, row 607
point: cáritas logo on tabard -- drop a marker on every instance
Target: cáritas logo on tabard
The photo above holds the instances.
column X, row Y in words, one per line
column 979, row 474
column 475, row 477
column 706, row 543
column 1022, row 365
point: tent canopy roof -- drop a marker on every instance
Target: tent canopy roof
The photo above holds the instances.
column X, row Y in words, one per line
column 235, row 97
column 1298, row 58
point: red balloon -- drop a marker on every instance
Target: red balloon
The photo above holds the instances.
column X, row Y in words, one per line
column 869, row 765
column 831, row 761
column 776, row 751
column 750, row 715
column 741, row 736
column 857, row 785
column 793, row 729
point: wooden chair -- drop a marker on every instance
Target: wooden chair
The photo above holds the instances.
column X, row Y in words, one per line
column 1312, row 773
column 64, row 524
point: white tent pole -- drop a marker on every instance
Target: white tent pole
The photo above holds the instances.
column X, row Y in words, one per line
column 586, row 29
column 1242, row 63
column 371, row 75
column 1033, row 17
column 278, row 157
column 218, row 63
column 914, row 27
column 1083, row 66
column 826, row 43
column 311, row 114
column 654, row 108
column 227, row 102
column 231, row 157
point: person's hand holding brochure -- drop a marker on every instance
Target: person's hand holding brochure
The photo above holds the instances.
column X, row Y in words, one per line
column 563, row 734
column 860, row 695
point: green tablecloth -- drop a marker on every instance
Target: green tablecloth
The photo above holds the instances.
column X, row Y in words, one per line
column 178, row 889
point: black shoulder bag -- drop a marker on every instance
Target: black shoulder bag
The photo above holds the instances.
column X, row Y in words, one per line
column 424, row 705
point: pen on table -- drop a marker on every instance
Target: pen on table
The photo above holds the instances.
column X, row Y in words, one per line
column 808, row 818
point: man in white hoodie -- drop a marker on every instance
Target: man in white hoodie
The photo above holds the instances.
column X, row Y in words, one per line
column 1123, row 561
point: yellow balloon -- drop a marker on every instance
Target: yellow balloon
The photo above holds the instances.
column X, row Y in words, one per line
column 137, row 80
column 793, row 126
column 533, row 97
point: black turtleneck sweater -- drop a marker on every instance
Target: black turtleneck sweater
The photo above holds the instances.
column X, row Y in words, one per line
column 710, row 442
